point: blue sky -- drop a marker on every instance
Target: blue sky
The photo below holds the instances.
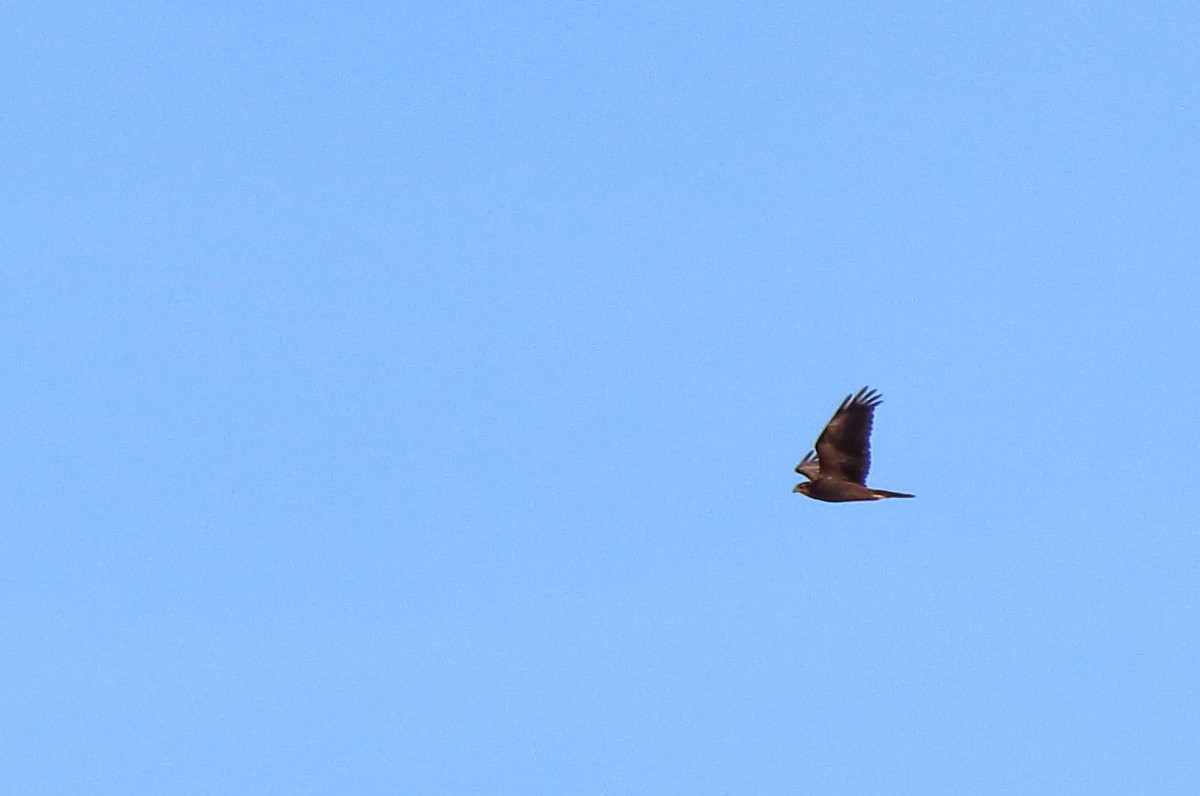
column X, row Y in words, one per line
column 403, row 398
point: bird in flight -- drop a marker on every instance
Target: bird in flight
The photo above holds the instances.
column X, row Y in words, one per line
column 837, row 470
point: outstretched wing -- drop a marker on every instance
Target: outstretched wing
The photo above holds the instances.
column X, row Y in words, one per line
column 809, row 466
column 844, row 447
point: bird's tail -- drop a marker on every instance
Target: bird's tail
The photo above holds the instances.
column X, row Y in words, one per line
column 883, row 493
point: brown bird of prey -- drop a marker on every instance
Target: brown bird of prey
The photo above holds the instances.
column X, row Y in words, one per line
column 837, row 472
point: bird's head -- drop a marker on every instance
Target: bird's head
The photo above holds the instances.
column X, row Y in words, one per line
column 802, row 488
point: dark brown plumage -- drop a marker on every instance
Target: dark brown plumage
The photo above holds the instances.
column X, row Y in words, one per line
column 837, row 471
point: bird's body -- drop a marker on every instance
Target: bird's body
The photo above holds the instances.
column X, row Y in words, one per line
column 832, row 490
column 837, row 471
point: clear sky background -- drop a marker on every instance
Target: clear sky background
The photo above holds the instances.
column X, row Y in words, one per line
column 403, row 398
